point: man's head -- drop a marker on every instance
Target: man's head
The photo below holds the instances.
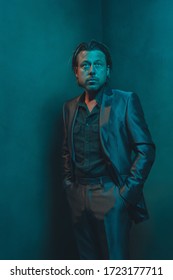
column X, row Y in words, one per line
column 91, row 64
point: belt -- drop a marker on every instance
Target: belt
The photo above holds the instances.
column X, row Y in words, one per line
column 93, row 181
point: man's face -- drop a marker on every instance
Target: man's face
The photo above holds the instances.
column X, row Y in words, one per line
column 92, row 70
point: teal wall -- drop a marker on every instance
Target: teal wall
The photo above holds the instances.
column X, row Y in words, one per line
column 36, row 43
column 139, row 34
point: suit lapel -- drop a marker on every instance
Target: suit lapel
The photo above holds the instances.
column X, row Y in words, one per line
column 104, row 118
column 72, row 117
column 105, row 111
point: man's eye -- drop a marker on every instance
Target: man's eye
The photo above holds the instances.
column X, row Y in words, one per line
column 98, row 65
column 85, row 66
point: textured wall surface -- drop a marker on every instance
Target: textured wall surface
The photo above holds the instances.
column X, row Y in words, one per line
column 139, row 34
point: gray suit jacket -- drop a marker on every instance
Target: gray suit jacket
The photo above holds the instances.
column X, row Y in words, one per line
column 127, row 145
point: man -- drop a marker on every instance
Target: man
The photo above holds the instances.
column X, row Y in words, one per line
column 107, row 155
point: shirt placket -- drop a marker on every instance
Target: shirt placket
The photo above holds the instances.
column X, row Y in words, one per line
column 87, row 140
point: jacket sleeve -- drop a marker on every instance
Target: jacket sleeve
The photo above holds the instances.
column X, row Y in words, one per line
column 66, row 156
column 144, row 150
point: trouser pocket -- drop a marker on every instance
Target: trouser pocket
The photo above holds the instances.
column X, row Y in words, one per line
column 101, row 200
column 76, row 201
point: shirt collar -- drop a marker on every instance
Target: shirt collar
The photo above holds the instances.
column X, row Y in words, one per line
column 98, row 97
column 82, row 100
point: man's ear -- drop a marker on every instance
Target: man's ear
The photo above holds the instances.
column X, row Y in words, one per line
column 75, row 71
column 108, row 72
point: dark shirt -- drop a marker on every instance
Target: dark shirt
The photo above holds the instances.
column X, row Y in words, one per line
column 89, row 158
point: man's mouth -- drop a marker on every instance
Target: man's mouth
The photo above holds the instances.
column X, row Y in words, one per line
column 92, row 80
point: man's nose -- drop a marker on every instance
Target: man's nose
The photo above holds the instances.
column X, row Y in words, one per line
column 92, row 69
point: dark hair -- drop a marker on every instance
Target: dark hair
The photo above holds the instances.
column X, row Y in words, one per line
column 90, row 46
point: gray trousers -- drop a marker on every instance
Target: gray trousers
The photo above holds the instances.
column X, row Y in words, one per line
column 101, row 221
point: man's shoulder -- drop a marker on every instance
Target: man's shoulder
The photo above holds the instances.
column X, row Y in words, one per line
column 122, row 93
column 72, row 101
